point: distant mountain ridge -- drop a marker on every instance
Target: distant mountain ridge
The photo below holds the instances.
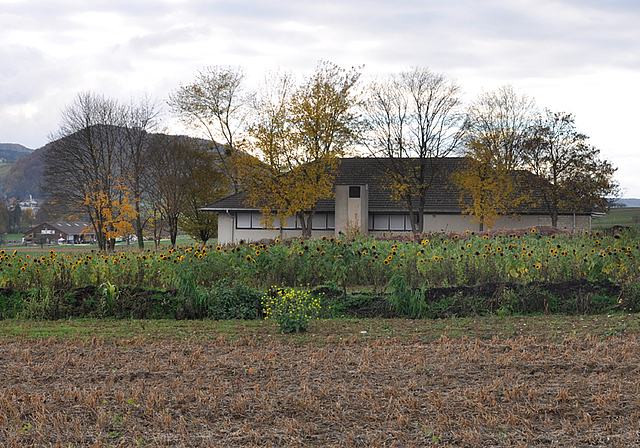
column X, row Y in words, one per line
column 630, row 202
column 13, row 151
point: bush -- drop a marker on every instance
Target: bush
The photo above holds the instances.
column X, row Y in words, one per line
column 292, row 309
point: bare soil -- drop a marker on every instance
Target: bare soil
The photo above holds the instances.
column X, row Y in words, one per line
column 524, row 390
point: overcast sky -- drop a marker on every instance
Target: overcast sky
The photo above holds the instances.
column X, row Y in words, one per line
column 578, row 56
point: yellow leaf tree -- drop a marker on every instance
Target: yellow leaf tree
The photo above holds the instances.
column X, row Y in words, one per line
column 487, row 189
column 296, row 140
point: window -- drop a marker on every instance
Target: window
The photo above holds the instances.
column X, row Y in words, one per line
column 252, row 220
column 396, row 223
column 354, row 191
column 380, row 222
column 323, row 221
column 319, row 222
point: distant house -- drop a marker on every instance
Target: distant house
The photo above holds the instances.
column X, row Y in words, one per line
column 362, row 198
column 65, row 232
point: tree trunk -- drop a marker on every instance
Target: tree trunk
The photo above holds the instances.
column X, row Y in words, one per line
column 139, row 233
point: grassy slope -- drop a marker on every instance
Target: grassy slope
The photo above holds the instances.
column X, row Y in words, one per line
column 618, row 217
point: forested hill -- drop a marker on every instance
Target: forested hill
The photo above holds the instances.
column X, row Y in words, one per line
column 13, row 151
column 24, row 176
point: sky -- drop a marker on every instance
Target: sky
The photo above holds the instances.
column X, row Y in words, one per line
column 577, row 56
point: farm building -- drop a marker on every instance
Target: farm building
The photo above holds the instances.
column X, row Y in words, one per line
column 66, row 232
column 363, row 198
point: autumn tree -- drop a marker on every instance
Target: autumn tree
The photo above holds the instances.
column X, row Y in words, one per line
column 497, row 126
column 297, row 136
column 215, row 105
column 414, row 123
column 487, row 189
column 569, row 174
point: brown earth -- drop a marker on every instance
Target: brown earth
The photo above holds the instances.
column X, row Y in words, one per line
column 520, row 391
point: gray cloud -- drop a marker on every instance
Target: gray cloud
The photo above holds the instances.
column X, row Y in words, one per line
column 52, row 49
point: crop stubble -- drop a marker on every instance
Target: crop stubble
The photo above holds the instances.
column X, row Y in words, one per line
column 354, row 392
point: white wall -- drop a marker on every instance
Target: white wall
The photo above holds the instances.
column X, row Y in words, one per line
column 227, row 233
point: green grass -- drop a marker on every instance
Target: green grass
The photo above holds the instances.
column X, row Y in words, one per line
column 552, row 328
column 35, row 249
column 4, row 169
column 626, row 216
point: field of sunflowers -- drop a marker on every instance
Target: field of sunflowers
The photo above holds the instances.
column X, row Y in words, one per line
column 192, row 277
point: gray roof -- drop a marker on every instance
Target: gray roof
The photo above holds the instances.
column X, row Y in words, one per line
column 442, row 196
column 66, row 227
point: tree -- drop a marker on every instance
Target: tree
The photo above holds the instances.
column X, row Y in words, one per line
column 568, row 172
column 81, row 166
column 501, row 121
column 205, row 184
column 497, row 126
column 297, row 136
column 4, row 219
column 414, row 121
column 215, row 104
column 486, row 190
column 168, row 190
column 186, row 179
column 140, row 118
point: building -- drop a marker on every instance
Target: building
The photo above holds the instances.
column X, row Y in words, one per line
column 60, row 233
column 363, row 200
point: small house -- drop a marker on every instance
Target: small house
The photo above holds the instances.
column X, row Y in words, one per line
column 60, row 232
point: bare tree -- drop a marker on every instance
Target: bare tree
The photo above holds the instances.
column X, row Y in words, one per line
column 501, row 121
column 414, row 122
column 140, row 119
column 568, row 172
column 82, row 171
column 216, row 105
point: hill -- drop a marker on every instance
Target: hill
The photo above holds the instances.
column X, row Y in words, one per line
column 13, row 151
column 23, row 177
column 630, row 202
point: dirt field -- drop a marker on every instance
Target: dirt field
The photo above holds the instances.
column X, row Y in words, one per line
column 356, row 391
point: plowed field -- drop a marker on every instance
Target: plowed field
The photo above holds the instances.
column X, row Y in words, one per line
column 523, row 390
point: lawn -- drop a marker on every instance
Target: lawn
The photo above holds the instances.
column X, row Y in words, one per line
column 625, row 216
column 513, row 381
